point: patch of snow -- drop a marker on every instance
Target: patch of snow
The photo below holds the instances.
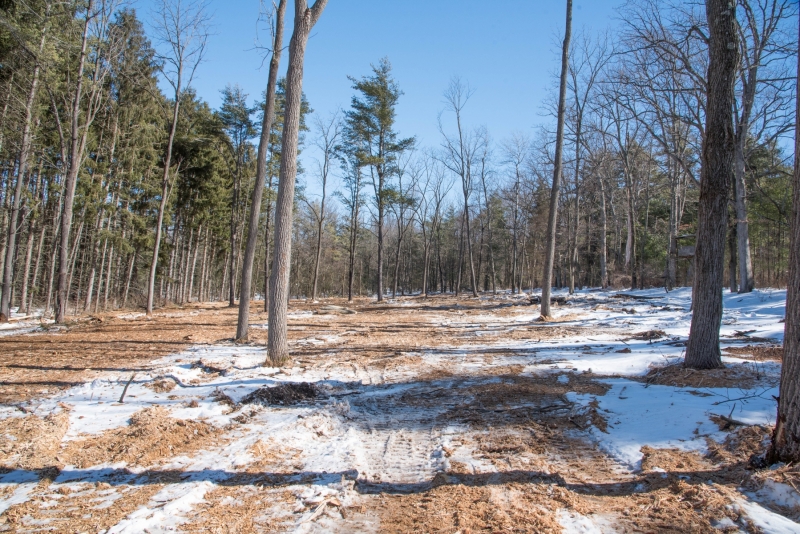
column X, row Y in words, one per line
column 166, row 509
column 769, row 522
column 575, row 523
column 23, row 482
column 664, row 416
column 779, row 494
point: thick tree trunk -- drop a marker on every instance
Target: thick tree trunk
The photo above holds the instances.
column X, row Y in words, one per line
column 304, row 20
column 550, row 250
column 786, row 436
column 702, row 349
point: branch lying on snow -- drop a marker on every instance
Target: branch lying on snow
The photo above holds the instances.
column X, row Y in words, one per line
column 634, row 297
column 320, row 509
column 174, row 379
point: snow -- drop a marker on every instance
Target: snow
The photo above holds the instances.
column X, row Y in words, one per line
column 20, row 323
column 668, row 417
column 165, row 511
column 362, row 431
column 575, row 523
column 778, row 494
column 23, row 483
column 769, row 522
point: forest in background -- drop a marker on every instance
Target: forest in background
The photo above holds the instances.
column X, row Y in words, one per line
column 86, row 128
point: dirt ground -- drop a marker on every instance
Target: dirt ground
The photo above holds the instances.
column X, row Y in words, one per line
column 524, row 426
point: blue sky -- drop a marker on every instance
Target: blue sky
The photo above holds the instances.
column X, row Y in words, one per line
column 508, row 51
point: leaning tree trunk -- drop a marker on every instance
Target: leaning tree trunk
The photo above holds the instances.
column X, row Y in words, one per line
column 550, row 250
column 702, row 350
column 304, row 20
column 786, row 437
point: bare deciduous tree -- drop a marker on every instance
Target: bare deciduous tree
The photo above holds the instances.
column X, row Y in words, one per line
column 304, row 20
column 785, row 445
column 261, row 177
column 461, row 153
column 702, row 349
column 550, row 250
column 328, row 133
column 181, row 28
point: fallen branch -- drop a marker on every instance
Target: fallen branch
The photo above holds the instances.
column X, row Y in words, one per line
column 634, row 297
column 174, row 379
column 124, row 391
column 321, row 508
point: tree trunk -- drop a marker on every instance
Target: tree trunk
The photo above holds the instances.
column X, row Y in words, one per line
column 165, row 190
column 320, row 227
column 702, row 349
column 550, row 251
column 24, row 155
column 603, row 237
column 732, row 263
column 277, row 346
column 469, row 253
column 352, row 258
column 40, row 246
column 268, row 216
column 128, row 280
column 746, row 280
column 193, row 268
column 77, row 146
column 100, row 277
column 786, row 436
column 380, row 243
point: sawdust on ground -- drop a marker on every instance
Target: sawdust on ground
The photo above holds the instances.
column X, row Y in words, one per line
column 150, row 437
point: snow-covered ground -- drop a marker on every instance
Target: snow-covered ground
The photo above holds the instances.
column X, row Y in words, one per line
column 20, row 323
column 388, row 429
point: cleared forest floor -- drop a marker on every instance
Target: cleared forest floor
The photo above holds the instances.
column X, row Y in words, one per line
column 417, row 415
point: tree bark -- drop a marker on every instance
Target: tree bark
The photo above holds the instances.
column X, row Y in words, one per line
column 77, row 146
column 261, row 179
column 786, row 436
column 304, row 20
column 162, row 206
column 702, row 349
column 550, row 250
